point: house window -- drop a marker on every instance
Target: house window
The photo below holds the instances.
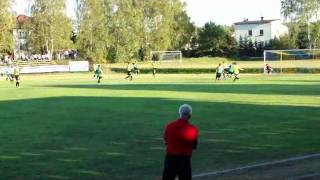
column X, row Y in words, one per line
column 261, row 32
column 22, row 35
column 250, row 32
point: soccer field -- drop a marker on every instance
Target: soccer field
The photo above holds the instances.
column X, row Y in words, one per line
column 65, row 126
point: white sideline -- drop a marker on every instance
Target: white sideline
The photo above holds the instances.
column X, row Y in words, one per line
column 244, row 168
column 305, row 176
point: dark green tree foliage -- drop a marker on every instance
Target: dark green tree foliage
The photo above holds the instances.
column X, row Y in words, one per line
column 302, row 40
column 260, row 49
column 216, row 40
column 283, row 42
column 251, row 48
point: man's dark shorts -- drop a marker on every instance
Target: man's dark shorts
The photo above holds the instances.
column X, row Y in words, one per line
column 218, row 75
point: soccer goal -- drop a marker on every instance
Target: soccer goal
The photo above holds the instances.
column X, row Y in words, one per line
column 166, row 56
column 291, row 61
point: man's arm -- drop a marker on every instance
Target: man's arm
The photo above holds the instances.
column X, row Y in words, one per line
column 195, row 144
column 165, row 136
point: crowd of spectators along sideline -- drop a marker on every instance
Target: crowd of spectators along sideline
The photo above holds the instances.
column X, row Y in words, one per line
column 8, row 59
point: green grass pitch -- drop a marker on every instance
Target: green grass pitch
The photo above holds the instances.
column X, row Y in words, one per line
column 65, row 126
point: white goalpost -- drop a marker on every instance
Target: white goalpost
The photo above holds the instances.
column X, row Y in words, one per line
column 291, row 60
column 166, row 56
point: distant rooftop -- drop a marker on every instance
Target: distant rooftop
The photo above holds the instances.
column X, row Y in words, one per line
column 21, row 19
column 261, row 21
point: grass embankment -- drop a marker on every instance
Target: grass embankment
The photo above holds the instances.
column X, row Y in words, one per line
column 208, row 65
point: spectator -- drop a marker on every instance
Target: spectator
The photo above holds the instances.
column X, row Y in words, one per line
column 180, row 138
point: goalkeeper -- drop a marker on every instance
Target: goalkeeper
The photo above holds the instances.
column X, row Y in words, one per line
column 98, row 73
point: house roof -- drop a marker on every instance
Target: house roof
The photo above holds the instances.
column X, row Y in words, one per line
column 246, row 22
column 21, row 19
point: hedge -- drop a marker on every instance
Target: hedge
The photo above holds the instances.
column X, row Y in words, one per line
column 208, row 71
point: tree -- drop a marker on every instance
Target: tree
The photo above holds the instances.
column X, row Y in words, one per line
column 302, row 40
column 93, row 17
column 301, row 12
column 283, row 42
column 121, row 30
column 315, row 34
column 216, row 40
column 156, row 25
column 6, row 25
column 250, row 48
column 50, row 27
column 183, row 30
column 124, row 31
column 260, row 48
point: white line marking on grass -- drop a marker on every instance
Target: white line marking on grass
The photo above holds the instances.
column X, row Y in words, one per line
column 306, row 176
column 245, row 168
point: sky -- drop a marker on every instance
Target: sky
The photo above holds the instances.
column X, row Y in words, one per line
column 224, row 12
column 20, row 6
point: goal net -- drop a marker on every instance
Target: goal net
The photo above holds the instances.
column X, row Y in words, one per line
column 166, row 56
column 291, row 61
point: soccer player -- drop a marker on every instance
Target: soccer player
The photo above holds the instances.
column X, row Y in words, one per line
column 136, row 67
column 154, row 69
column 236, row 71
column 16, row 73
column 98, row 73
column 129, row 71
column 11, row 73
column 225, row 70
column 230, row 70
column 219, row 72
column 180, row 138
column 268, row 68
column 8, row 71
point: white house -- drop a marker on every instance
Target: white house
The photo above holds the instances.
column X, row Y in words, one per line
column 20, row 35
column 260, row 30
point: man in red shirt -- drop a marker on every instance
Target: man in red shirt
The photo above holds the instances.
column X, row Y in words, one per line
column 180, row 138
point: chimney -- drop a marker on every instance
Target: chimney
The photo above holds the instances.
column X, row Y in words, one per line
column 262, row 18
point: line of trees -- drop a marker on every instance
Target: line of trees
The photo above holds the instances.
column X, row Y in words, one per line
column 121, row 30
column 49, row 27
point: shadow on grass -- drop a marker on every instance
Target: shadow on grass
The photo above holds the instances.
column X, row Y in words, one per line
column 267, row 89
column 79, row 136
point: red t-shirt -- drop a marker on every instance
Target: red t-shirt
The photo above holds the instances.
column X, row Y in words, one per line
column 181, row 138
